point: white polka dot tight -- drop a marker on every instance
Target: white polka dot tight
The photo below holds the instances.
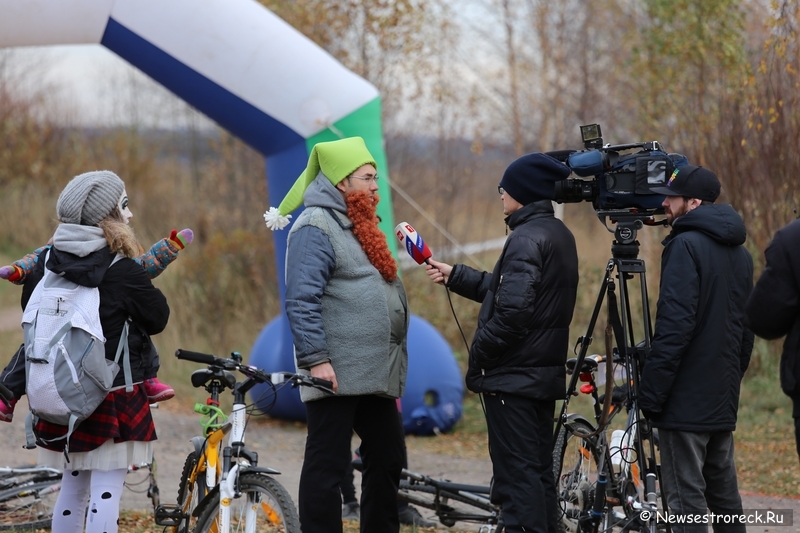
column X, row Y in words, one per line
column 101, row 489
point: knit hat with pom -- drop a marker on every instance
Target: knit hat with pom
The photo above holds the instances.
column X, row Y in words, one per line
column 335, row 159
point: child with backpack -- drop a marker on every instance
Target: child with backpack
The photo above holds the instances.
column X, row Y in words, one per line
column 91, row 262
column 154, row 261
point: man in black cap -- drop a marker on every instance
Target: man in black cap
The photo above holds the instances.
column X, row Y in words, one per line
column 518, row 354
column 701, row 348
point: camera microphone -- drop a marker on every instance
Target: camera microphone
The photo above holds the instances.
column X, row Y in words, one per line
column 413, row 242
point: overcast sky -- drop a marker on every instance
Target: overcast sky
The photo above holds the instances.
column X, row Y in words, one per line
column 94, row 86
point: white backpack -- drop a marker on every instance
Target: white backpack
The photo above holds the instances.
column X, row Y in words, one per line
column 67, row 373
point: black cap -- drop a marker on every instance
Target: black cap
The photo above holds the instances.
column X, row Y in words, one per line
column 532, row 177
column 691, row 182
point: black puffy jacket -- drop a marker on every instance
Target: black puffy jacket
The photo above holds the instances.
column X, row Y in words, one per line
column 701, row 347
column 773, row 309
column 520, row 345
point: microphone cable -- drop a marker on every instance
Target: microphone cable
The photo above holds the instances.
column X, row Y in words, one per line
column 455, row 317
column 466, row 344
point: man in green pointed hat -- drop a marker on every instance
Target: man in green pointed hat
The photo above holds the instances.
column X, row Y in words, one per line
column 349, row 318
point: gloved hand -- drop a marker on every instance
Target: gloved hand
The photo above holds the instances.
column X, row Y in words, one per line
column 181, row 238
column 10, row 272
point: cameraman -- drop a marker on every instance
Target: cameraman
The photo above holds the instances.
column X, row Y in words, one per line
column 773, row 309
column 518, row 354
column 701, row 348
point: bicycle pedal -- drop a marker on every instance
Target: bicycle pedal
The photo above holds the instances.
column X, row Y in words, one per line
column 169, row 515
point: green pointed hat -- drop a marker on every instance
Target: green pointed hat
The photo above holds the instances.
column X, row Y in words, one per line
column 336, row 160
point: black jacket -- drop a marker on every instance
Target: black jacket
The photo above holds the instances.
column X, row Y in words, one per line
column 125, row 291
column 701, row 347
column 773, row 309
column 521, row 343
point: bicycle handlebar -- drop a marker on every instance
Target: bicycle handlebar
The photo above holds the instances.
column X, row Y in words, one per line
column 256, row 373
column 197, row 357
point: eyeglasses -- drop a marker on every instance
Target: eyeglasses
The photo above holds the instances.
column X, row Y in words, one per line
column 500, row 190
column 365, row 178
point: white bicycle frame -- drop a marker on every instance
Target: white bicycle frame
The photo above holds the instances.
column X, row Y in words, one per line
column 227, row 482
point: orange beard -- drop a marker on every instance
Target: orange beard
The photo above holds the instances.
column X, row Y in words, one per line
column 361, row 212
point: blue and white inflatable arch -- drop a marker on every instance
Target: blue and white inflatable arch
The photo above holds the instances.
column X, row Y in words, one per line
column 246, row 69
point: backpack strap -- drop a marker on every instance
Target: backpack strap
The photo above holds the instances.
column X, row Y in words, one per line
column 123, row 348
column 30, row 438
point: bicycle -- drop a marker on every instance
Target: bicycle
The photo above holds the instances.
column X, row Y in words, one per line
column 606, row 484
column 27, row 497
column 201, row 468
column 441, row 496
column 151, row 490
column 597, row 479
column 236, row 493
column 29, row 493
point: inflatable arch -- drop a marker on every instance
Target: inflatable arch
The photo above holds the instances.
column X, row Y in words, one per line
column 246, row 69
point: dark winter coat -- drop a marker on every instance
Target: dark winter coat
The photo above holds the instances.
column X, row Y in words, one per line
column 520, row 345
column 773, row 309
column 701, row 347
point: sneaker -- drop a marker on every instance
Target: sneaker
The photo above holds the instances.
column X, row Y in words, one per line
column 7, row 411
column 157, row 391
column 350, row 511
column 411, row 517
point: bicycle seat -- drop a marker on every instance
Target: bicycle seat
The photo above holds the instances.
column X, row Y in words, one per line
column 590, row 363
column 204, row 375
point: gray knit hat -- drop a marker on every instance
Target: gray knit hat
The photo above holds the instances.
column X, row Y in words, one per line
column 89, row 198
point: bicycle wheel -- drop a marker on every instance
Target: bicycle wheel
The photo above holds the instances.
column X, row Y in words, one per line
column 274, row 507
column 29, row 506
column 575, row 464
column 190, row 494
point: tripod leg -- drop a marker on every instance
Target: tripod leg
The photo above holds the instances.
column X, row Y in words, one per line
column 584, row 342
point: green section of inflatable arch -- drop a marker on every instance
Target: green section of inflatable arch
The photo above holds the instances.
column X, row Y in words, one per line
column 365, row 122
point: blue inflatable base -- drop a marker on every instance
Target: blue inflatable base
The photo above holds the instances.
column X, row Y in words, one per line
column 434, row 393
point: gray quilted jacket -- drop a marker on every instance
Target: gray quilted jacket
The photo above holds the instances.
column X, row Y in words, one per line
column 340, row 309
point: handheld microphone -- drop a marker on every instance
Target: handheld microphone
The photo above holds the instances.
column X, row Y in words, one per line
column 413, row 242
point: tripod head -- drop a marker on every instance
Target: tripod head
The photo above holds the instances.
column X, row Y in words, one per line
column 628, row 223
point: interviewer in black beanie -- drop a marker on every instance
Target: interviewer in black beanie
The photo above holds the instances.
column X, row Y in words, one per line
column 518, row 352
column 532, row 177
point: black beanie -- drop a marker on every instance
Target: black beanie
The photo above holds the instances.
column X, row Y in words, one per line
column 532, row 177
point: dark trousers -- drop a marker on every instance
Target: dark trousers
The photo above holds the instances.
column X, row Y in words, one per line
column 331, row 422
column 348, row 488
column 521, row 447
column 699, row 473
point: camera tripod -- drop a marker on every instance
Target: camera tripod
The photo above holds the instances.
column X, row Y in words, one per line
column 588, row 498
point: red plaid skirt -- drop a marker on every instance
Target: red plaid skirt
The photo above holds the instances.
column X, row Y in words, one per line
column 122, row 417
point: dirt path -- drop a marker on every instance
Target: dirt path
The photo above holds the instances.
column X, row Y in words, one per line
column 280, row 446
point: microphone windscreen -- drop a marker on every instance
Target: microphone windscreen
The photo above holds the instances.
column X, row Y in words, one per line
column 413, row 242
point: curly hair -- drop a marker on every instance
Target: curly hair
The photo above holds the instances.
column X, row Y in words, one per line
column 361, row 212
column 120, row 236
